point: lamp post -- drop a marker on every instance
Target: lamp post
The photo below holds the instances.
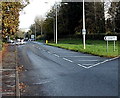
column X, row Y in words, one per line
column 56, row 22
column 54, row 28
column 35, row 31
column 84, row 30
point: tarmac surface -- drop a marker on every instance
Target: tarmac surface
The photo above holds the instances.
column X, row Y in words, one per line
column 52, row 71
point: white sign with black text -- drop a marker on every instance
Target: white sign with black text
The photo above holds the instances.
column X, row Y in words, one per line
column 110, row 38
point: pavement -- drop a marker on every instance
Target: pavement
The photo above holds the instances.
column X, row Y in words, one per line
column 52, row 71
column 8, row 72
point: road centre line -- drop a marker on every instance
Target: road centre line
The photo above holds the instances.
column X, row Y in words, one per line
column 49, row 52
column 103, row 62
column 67, row 60
column 82, row 66
column 56, row 55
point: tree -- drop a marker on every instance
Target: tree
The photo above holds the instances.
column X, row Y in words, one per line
column 10, row 17
column 114, row 17
column 95, row 18
column 69, row 17
column 37, row 27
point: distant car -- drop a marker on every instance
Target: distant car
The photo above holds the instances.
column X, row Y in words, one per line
column 10, row 41
column 22, row 42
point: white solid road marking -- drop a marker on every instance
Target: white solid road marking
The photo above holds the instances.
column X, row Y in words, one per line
column 79, row 56
column 87, row 64
column 88, row 60
column 67, row 59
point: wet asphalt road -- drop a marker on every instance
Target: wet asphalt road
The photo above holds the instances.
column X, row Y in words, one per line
column 52, row 71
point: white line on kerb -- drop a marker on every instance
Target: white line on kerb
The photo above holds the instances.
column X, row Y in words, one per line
column 56, row 55
column 103, row 62
column 67, row 59
column 7, row 69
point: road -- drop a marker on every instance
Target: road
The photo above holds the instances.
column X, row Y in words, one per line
column 52, row 71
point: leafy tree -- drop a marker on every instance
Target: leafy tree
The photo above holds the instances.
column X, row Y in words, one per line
column 10, row 17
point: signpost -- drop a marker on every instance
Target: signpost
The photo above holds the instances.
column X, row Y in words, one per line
column 110, row 38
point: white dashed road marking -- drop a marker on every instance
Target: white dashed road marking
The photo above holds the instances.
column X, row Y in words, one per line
column 67, row 59
column 56, row 55
column 82, row 66
column 84, row 60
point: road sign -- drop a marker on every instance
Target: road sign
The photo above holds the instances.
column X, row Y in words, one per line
column 32, row 36
column 110, row 38
column 83, row 31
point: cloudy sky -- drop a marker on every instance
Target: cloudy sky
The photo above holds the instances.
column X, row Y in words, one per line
column 35, row 8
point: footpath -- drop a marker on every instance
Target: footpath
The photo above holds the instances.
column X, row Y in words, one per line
column 8, row 73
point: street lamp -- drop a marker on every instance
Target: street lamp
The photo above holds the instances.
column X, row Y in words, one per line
column 56, row 22
column 84, row 30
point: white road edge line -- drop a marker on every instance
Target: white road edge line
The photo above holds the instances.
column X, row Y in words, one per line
column 56, row 55
column 79, row 56
column 67, row 60
column 103, row 62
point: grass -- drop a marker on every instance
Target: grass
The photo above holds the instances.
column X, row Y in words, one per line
column 95, row 47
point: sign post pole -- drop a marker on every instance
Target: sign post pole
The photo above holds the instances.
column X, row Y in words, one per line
column 114, row 45
column 107, row 45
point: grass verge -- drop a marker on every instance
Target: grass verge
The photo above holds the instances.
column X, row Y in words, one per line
column 95, row 47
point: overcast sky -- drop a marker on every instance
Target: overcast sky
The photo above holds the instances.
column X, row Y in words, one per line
column 35, row 8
